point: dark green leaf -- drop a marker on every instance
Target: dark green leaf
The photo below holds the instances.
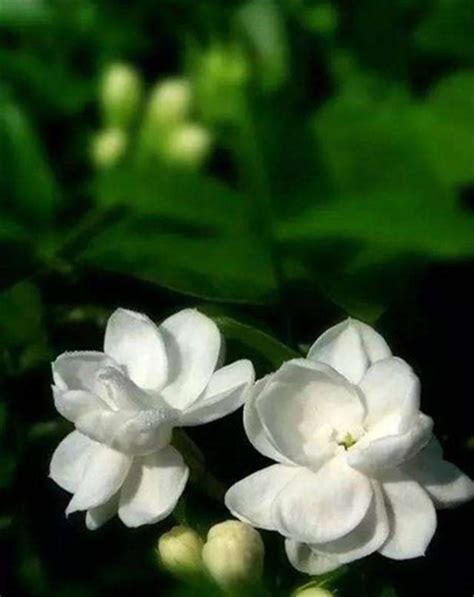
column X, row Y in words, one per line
column 184, row 232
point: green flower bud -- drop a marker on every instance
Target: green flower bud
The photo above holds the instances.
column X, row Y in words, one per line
column 221, row 73
column 179, row 551
column 313, row 592
column 188, row 144
column 233, row 554
column 170, row 102
column 108, row 147
column 120, row 95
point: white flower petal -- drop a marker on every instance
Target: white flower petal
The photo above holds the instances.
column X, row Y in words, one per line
column 322, row 506
column 96, row 517
column 411, row 514
column 302, row 405
column 193, row 344
column 306, row 560
column 251, row 499
column 350, row 347
column 69, row 460
column 375, row 453
column 390, row 387
column 254, row 429
column 133, row 432
column 134, row 341
column 121, row 393
column 104, row 473
column 444, row 482
column 78, row 370
column 225, row 393
column 366, row 538
column 73, row 404
column 153, row 487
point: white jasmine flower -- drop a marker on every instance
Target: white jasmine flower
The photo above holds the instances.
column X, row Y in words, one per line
column 358, row 467
column 126, row 401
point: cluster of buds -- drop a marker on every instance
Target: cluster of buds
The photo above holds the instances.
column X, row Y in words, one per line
column 164, row 128
column 168, row 132
column 120, row 95
column 232, row 556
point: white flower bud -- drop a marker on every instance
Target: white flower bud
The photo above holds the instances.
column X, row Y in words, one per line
column 180, row 550
column 188, row 144
column 313, row 592
column 233, row 553
column 170, row 102
column 120, row 94
column 108, row 147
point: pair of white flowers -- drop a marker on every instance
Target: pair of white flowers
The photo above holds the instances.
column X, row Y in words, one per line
column 357, row 471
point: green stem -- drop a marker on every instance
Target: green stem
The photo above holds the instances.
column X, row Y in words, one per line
column 193, row 457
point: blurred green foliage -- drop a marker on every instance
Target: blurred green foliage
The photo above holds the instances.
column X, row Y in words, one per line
column 333, row 164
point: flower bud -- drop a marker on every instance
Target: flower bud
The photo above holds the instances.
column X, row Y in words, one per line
column 170, row 102
column 233, row 553
column 108, row 147
column 221, row 73
column 188, row 144
column 121, row 94
column 312, row 592
column 180, row 550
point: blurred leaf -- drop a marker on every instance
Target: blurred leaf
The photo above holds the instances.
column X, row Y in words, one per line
column 368, row 138
column 262, row 23
column 406, row 223
column 447, row 121
column 22, row 332
column 27, row 184
column 47, row 80
column 24, row 13
column 393, row 200
column 184, row 232
column 448, row 29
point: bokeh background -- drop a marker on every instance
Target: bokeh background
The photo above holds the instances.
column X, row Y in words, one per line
column 280, row 165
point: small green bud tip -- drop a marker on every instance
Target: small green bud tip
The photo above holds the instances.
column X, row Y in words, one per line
column 312, row 592
column 108, row 147
column 179, row 551
column 170, row 102
column 188, row 144
column 121, row 94
column 234, row 554
column 223, row 65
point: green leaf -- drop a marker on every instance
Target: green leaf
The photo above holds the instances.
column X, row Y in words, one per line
column 184, row 232
column 22, row 14
column 447, row 121
column 27, row 185
column 392, row 201
column 448, row 30
column 394, row 223
column 22, row 332
column 368, row 138
column 265, row 345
